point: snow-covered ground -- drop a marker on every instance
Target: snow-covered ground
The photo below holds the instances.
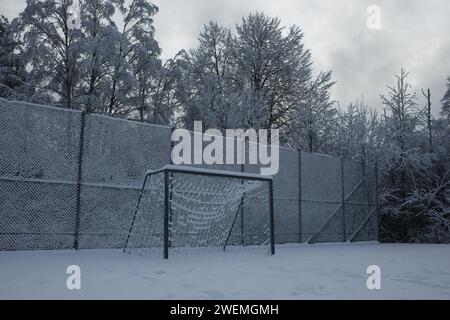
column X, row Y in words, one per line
column 325, row 271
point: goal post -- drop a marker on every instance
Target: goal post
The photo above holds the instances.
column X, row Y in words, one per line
column 182, row 210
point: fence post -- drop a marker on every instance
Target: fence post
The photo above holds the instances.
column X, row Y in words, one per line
column 172, row 129
column 366, row 179
column 300, row 194
column 376, row 200
column 272, row 219
column 343, row 199
column 79, row 178
column 241, row 210
column 246, row 146
column 167, row 204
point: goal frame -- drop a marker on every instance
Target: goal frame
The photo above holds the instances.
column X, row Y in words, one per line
column 169, row 169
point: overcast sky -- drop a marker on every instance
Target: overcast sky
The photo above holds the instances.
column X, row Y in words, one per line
column 414, row 34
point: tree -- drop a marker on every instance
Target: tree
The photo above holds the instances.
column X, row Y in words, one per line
column 99, row 37
column 211, row 78
column 400, row 128
column 93, row 66
column 314, row 120
column 429, row 119
column 135, row 59
column 145, row 51
column 403, row 162
column 169, row 94
column 52, row 49
column 254, row 77
column 360, row 133
column 446, row 101
column 12, row 68
column 274, row 65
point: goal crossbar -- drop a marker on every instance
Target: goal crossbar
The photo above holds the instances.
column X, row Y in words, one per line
column 210, row 172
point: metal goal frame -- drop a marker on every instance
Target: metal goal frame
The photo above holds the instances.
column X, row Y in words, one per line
column 170, row 169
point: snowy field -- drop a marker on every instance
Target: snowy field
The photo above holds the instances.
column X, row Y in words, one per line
column 325, row 271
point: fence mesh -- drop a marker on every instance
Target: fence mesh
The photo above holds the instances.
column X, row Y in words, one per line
column 46, row 204
column 39, row 176
column 116, row 155
column 38, row 173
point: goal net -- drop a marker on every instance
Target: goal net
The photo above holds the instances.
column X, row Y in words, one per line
column 184, row 210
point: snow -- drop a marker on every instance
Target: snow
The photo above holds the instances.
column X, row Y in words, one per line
column 321, row 271
column 30, row 104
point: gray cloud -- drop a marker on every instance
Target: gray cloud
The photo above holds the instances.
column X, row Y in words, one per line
column 414, row 35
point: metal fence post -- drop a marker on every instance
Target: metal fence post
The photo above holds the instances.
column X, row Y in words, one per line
column 166, row 213
column 300, row 194
column 246, row 146
column 241, row 210
column 272, row 219
column 343, row 199
column 79, row 180
column 366, row 179
column 172, row 129
column 377, row 200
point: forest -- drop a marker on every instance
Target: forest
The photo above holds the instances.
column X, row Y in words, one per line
column 259, row 74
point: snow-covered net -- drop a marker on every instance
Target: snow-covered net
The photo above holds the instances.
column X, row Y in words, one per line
column 206, row 213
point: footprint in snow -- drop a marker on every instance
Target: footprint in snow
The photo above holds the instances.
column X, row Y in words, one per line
column 160, row 272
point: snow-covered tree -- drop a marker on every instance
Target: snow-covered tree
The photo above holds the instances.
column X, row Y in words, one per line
column 446, row 101
column 254, row 77
column 359, row 132
column 208, row 72
column 274, row 64
column 169, row 94
column 93, row 65
column 52, row 49
column 145, row 51
column 314, row 120
column 135, row 59
column 99, row 37
column 403, row 162
column 402, row 154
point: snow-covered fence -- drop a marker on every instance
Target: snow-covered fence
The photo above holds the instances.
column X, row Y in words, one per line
column 338, row 199
column 38, row 174
column 116, row 155
column 68, row 180
column 59, row 191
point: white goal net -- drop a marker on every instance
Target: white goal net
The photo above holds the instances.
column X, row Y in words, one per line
column 185, row 210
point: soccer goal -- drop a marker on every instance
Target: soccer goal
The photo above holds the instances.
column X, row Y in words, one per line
column 184, row 210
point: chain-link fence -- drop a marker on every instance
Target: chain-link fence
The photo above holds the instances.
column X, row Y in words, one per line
column 71, row 180
column 68, row 179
